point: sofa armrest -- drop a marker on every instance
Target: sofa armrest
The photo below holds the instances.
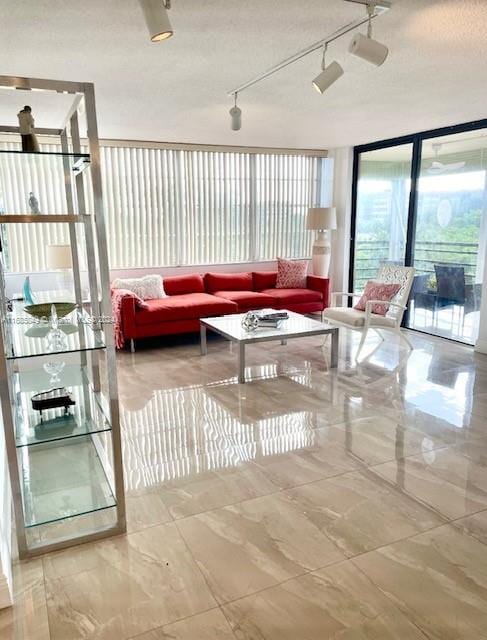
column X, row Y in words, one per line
column 124, row 305
column 128, row 317
column 316, row 283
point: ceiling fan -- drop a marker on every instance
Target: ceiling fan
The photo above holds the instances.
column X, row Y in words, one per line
column 438, row 168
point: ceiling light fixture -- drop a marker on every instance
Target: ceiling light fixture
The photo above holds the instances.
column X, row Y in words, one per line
column 362, row 46
column 236, row 115
column 157, row 19
column 329, row 74
column 367, row 48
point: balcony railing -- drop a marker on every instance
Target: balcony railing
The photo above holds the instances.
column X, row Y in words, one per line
column 371, row 254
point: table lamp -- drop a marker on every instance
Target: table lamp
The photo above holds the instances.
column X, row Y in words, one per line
column 322, row 220
column 58, row 258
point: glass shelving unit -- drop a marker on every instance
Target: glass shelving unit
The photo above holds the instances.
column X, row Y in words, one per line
column 65, row 466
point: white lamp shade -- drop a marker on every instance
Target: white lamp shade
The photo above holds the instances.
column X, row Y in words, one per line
column 155, row 14
column 327, row 77
column 321, row 218
column 59, row 256
column 236, row 116
column 368, row 49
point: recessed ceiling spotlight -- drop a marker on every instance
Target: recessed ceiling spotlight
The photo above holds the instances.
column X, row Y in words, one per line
column 329, row 75
column 367, row 48
column 157, row 19
column 236, row 116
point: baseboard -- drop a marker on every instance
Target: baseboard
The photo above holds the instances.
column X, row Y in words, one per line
column 481, row 346
column 5, row 595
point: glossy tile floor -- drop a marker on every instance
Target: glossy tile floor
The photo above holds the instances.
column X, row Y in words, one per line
column 307, row 504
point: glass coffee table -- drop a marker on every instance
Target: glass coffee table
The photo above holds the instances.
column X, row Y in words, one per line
column 296, row 326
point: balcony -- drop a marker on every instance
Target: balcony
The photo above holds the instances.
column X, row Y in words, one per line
column 456, row 317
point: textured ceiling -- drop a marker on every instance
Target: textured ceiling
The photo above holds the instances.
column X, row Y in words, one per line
column 176, row 90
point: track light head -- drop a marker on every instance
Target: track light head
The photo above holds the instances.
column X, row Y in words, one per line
column 368, row 49
column 236, row 116
column 327, row 77
column 157, row 19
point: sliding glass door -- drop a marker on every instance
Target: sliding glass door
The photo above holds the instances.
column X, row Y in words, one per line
column 450, row 234
column 383, row 187
column 422, row 201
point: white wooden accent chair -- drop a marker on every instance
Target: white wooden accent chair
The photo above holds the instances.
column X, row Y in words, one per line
column 365, row 320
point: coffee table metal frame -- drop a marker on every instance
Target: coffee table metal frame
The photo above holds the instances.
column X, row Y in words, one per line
column 218, row 325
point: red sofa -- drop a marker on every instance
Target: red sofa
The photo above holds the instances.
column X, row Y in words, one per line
column 191, row 297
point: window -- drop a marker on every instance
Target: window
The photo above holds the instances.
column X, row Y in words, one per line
column 169, row 207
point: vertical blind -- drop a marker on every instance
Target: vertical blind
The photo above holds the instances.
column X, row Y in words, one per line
column 169, row 207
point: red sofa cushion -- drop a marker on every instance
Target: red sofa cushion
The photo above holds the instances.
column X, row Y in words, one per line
column 184, row 307
column 293, row 296
column 228, row 282
column 179, row 285
column 247, row 300
column 264, row 280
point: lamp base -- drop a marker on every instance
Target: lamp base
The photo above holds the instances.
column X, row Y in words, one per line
column 321, row 255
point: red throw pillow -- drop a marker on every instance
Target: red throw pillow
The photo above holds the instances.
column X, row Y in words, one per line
column 291, row 274
column 264, row 280
column 377, row 291
column 179, row 285
column 228, row 282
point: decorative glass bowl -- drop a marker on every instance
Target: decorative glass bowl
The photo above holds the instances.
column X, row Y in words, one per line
column 43, row 310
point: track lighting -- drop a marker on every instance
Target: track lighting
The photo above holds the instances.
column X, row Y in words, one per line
column 329, row 75
column 236, row 115
column 362, row 46
column 367, row 48
column 155, row 13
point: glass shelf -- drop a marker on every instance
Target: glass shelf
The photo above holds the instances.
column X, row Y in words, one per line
column 40, row 159
column 85, row 417
column 62, row 480
column 26, row 337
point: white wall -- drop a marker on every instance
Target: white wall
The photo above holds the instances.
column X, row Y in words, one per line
column 342, row 200
column 5, row 529
column 481, row 345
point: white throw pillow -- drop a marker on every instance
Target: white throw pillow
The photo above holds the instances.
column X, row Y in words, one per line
column 147, row 288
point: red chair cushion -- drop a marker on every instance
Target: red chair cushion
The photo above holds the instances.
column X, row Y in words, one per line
column 184, row 307
column 228, row 282
column 247, row 300
column 179, row 285
column 293, row 296
column 264, row 280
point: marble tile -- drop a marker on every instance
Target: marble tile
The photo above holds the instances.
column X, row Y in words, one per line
column 123, row 586
column 27, row 618
column 324, row 456
column 379, row 438
column 446, row 480
column 211, row 625
column 212, row 489
column 360, row 512
column 475, row 525
column 438, row 579
column 252, row 545
column 337, row 603
column 145, row 509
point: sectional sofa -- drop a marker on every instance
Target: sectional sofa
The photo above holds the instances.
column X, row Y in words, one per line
column 191, row 297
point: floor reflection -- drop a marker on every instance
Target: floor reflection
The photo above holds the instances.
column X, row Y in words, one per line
column 251, row 507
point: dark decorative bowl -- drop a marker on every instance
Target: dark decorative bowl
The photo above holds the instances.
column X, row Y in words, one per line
column 43, row 310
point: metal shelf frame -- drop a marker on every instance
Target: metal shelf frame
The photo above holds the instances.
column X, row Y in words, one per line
column 92, row 225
